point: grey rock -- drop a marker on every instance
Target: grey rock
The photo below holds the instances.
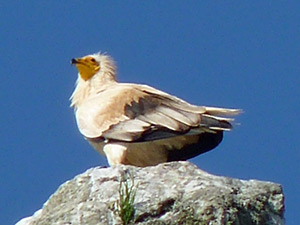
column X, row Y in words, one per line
column 169, row 193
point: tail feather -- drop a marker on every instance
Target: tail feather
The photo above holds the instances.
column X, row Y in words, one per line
column 222, row 111
column 215, row 123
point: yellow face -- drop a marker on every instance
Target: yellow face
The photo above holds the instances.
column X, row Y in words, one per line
column 87, row 67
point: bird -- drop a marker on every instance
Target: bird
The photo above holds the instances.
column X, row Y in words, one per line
column 136, row 124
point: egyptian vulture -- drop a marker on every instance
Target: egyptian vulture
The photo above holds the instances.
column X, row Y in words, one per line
column 137, row 124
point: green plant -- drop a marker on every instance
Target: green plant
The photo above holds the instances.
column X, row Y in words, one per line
column 125, row 204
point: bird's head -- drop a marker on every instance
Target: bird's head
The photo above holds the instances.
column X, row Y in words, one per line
column 90, row 65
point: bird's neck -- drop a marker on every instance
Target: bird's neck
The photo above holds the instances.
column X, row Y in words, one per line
column 96, row 84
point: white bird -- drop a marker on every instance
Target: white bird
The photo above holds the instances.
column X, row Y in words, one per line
column 137, row 124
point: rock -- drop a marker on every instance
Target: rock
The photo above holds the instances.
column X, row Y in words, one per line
column 169, row 193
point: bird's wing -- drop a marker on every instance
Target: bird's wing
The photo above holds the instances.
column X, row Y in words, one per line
column 129, row 112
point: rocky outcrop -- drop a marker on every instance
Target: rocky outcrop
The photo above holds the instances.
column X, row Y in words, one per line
column 170, row 193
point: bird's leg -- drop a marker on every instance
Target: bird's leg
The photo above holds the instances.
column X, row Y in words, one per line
column 115, row 153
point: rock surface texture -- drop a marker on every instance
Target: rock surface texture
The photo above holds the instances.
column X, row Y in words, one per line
column 170, row 193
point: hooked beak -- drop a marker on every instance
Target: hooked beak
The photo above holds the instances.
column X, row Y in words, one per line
column 74, row 61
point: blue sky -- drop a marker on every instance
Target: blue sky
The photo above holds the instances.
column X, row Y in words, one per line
column 218, row 53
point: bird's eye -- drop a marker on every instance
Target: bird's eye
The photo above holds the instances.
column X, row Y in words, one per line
column 93, row 60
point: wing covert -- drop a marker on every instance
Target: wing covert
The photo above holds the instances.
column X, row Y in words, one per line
column 129, row 112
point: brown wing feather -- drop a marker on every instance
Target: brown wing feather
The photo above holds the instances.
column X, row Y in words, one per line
column 128, row 112
column 155, row 116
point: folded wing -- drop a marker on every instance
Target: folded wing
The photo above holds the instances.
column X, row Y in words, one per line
column 134, row 113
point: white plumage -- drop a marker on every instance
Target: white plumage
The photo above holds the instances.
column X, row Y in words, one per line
column 137, row 124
